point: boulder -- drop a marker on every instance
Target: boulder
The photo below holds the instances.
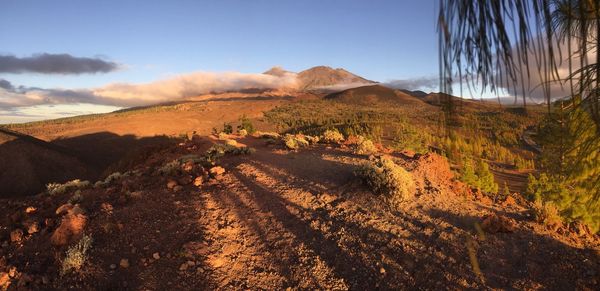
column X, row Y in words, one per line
column 198, row 181
column 70, row 229
column 217, row 171
column 16, row 235
column 493, row 224
column 171, row 184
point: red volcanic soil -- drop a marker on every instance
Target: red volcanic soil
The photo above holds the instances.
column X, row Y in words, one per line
column 278, row 219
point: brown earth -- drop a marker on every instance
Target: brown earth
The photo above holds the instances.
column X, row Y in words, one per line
column 375, row 94
column 280, row 219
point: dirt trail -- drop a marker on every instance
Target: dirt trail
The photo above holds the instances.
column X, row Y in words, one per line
column 279, row 219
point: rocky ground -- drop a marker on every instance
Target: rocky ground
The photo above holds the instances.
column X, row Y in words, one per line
column 278, row 219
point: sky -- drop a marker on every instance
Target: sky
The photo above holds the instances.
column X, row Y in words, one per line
column 59, row 57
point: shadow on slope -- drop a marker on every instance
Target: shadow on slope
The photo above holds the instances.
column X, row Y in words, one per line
column 27, row 164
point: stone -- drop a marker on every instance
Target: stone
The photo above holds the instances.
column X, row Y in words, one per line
column 63, row 209
column 4, row 281
column 70, row 228
column 493, row 224
column 171, row 184
column 124, row 263
column 156, row 256
column 188, row 167
column 106, row 208
column 382, row 270
column 30, row 210
column 216, row 171
column 198, row 181
column 183, row 267
column 113, row 266
column 177, row 188
column 32, row 226
column 16, row 235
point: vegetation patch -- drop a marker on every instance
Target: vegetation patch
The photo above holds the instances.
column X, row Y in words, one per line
column 332, row 136
column 386, row 178
column 76, row 255
column 58, row 188
column 364, row 146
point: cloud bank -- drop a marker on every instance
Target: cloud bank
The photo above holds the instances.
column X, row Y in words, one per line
column 422, row 83
column 127, row 95
column 55, row 64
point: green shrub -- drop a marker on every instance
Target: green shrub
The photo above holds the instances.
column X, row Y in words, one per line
column 546, row 213
column 219, row 150
column 364, row 146
column 267, row 134
column 227, row 128
column 312, row 139
column 294, row 142
column 332, row 136
column 76, row 255
column 385, row 177
column 57, row 188
column 76, row 198
column 170, row 169
column 231, row 142
column 246, row 124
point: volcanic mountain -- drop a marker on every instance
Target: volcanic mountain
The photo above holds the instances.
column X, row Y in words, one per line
column 323, row 78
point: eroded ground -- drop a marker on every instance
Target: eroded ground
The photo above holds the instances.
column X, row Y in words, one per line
column 278, row 219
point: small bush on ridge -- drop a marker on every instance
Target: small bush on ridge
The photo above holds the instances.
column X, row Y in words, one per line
column 332, row 136
column 385, row 177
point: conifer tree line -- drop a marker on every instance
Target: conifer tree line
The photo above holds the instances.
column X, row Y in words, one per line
column 528, row 46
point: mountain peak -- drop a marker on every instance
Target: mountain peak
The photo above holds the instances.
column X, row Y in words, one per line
column 277, row 71
column 324, row 76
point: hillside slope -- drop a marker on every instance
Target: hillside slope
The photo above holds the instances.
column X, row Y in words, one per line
column 280, row 219
column 374, row 94
column 27, row 164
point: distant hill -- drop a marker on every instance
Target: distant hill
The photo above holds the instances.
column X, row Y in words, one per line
column 27, row 164
column 277, row 71
column 373, row 94
column 415, row 93
column 323, row 78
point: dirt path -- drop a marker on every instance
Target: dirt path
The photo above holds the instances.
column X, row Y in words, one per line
column 299, row 220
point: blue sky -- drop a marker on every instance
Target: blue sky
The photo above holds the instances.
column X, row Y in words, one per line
column 153, row 40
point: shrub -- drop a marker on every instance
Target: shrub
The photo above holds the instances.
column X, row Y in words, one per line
column 76, row 255
column 220, row 150
column 267, row 134
column 223, row 136
column 170, row 169
column 364, row 146
column 385, row 177
column 294, row 142
column 546, row 213
column 76, row 198
column 246, row 124
column 231, row 142
column 312, row 139
column 57, row 188
column 242, row 132
column 227, row 128
column 332, row 136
